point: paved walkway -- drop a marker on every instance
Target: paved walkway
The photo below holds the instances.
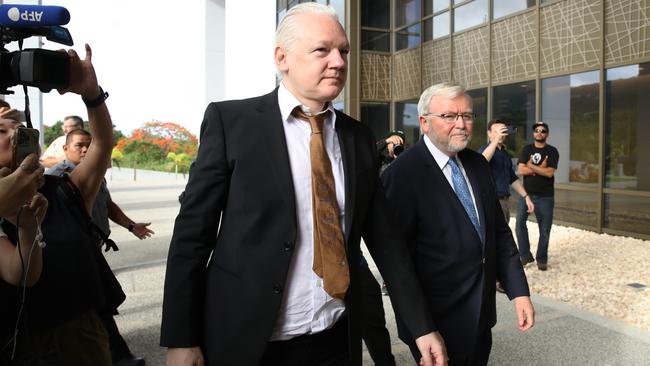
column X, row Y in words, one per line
column 563, row 334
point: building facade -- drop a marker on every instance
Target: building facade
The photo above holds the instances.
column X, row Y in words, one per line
column 581, row 66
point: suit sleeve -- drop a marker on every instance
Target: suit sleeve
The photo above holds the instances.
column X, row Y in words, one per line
column 391, row 254
column 194, row 237
column 510, row 272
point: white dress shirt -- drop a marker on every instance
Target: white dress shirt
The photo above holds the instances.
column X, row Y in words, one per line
column 442, row 159
column 306, row 307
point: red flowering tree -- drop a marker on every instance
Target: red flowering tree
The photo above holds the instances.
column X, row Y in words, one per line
column 151, row 143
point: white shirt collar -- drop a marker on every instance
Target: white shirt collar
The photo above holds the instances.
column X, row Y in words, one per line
column 287, row 102
column 440, row 157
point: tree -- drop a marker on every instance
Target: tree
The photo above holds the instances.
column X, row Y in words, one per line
column 50, row 133
column 152, row 143
column 116, row 157
column 181, row 160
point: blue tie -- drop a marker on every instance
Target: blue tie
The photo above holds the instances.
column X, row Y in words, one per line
column 462, row 191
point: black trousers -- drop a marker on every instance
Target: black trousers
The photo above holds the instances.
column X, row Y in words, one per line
column 478, row 357
column 326, row 348
column 374, row 331
column 119, row 349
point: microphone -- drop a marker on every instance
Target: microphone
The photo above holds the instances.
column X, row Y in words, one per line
column 28, row 16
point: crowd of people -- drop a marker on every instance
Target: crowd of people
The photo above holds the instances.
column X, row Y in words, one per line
column 264, row 264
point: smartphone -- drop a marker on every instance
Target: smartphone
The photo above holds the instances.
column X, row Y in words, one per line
column 511, row 129
column 25, row 142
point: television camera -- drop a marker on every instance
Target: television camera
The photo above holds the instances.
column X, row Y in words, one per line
column 36, row 67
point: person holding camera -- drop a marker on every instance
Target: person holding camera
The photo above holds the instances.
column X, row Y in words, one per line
column 75, row 149
column 501, row 165
column 56, row 321
column 27, row 215
column 20, row 203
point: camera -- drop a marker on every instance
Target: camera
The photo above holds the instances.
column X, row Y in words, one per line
column 511, row 129
column 41, row 68
column 398, row 148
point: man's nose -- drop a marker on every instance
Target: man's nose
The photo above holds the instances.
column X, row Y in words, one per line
column 337, row 59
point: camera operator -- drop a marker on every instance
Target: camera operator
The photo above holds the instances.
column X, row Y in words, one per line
column 57, row 321
column 390, row 147
column 502, row 171
column 28, row 214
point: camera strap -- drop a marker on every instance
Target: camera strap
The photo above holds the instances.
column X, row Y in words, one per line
column 28, row 114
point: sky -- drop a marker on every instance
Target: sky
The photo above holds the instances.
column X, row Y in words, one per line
column 148, row 55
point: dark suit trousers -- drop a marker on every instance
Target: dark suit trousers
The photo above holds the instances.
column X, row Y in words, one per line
column 374, row 331
column 326, row 348
column 478, row 357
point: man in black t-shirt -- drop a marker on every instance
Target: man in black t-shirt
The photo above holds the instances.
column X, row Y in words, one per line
column 537, row 164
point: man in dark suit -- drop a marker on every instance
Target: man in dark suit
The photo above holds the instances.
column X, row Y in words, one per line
column 263, row 266
column 444, row 200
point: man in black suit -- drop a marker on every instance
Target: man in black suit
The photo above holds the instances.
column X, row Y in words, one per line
column 263, row 266
column 444, row 200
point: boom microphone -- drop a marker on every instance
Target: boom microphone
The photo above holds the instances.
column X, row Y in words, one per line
column 27, row 16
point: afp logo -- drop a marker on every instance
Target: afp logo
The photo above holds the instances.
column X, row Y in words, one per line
column 29, row 16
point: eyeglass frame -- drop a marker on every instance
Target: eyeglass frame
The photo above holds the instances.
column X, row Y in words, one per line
column 545, row 131
column 465, row 117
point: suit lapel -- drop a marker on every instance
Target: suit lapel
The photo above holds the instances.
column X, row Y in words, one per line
column 277, row 155
column 433, row 166
column 346, row 141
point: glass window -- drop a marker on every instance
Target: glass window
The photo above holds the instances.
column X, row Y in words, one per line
column 406, row 12
column 570, row 108
column 627, row 213
column 627, row 112
column 576, row 207
column 436, row 27
column 375, row 13
column 377, row 116
column 434, row 6
column 515, row 104
column 479, row 129
column 375, row 41
column 470, row 15
column 501, row 8
column 407, row 120
column 407, row 37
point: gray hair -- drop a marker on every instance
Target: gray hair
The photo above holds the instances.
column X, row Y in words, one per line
column 287, row 31
column 448, row 90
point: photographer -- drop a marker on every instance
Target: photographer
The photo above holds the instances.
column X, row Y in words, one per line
column 390, row 147
column 28, row 215
column 56, row 320
column 504, row 175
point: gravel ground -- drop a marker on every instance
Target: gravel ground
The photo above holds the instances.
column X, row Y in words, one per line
column 592, row 271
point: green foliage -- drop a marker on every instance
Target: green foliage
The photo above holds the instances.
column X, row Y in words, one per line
column 181, row 162
column 143, row 151
column 50, row 133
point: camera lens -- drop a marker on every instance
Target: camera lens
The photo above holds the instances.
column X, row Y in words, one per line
column 398, row 149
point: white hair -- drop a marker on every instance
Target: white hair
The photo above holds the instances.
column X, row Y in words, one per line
column 448, row 90
column 287, row 31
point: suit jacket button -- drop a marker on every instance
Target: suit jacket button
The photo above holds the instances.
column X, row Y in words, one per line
column 288, row 246
column 277, row 289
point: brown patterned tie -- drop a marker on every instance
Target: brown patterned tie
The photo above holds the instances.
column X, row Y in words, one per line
column 330, row 260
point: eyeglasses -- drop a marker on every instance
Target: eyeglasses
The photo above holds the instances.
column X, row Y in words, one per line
column 541, row 131
column 452, row 117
